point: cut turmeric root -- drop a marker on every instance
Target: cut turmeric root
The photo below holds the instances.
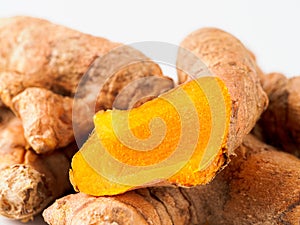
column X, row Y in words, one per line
column 170, row 149
column 206, row 119
column 129, row 154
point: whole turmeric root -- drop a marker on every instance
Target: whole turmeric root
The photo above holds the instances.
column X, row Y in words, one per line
column 280, row 123
column 260, row 186
column 28, row 182
column 107, row 165
column 37, row 53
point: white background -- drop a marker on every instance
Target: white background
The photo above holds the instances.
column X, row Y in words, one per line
column 271, row 29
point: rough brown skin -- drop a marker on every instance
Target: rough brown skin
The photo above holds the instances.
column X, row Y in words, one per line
column 117, row 69
column 46, row 118
column 142, row 90
column 260, row 186
column 227, row 58
column 49, row 55
column 37, row 53
column 280, row 123
column 10, row 141
column 28, row 182
column 115, row 81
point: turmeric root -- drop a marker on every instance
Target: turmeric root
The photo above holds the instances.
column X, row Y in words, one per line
column 280, row 123
column 28, row 182
column 118, row 69
column 45, row 54
column 37, row 53
column 85, row 165
column 116, row 80
column 227, row 58
column 51, row 112
column 110, row 165
column 11, row 142
column 142, row 207
column 259, row 186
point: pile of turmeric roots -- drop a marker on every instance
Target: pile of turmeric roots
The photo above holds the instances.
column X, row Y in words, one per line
column 253, row 177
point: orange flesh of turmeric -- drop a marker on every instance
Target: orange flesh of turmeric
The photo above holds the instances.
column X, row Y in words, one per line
column 176, row 138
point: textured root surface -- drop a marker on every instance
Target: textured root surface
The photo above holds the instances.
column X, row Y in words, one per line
column 27, row 188
column 161, row 206
column 46, row 118
column 28, row 182
column 37, row 54
column 23, row 192
column 46, row 54
column 227, row 58
column 280, row 123
column 261, row 186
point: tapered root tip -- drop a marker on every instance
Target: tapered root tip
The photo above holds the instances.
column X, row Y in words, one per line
column 23, row 192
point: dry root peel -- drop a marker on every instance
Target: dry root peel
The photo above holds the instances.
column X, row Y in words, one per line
column 237, row 73
column 280, row 123
column 259, row 186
